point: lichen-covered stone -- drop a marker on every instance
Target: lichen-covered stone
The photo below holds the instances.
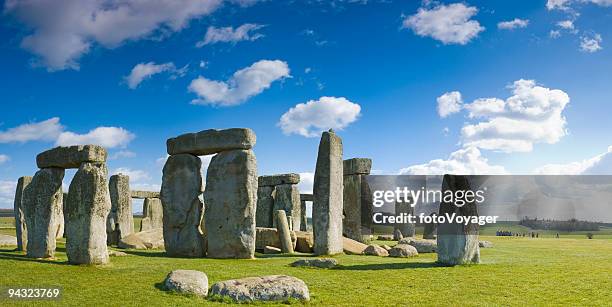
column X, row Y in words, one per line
column 324, row 263
column 357, row 166
column 287, row 198
column 150, row 239
column 375, row 250
column 120, row 221
column 274, row 180
column 265, row 206
column 407, row 229
column 282, row 226
column 144, row 194
column 153, row 214
column 187, row 282
column 351, row 224
column 403, row 251
column 274, row 288
column 21, row 228
column 211, row 141
column 71, row 156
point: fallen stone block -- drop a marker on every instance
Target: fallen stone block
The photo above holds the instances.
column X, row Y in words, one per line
column 485, row 244
column 353, row 247
column 211, row 141
column 403, row 251
column 425, row 246
column 265, row 236
column 151, row 239
column 272, row 250
column 187, row 282
column 6, row 240
column 324, row 263
column 274, row 288
column 375, row 250
column 71, row 157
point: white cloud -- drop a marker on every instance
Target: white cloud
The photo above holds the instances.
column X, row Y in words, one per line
column 598, row 165
column 122, row 154
column 450, row 24
column 513, row 24
column 310, row 118
column 306, row 182
column 244, row 84
column 47, row 130
column 4, row 159
column 7, row 193
column 449, row 103
column 565, row 4
column 554, row 33
column 135, row 175
column 245, row 32
column 465, row 161
column 143, row 71
column 109, row 137
column 591, row 44
column 566, row 24
column 63, row 31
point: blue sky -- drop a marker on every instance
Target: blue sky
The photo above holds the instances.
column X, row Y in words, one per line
column 403, row 82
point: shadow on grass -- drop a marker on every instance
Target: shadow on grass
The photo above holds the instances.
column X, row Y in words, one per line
column 154, row 254
column 389, row 266
column 7, row 256
column 295, row 255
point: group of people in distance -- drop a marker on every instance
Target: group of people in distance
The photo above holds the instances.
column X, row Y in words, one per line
column 505, row 233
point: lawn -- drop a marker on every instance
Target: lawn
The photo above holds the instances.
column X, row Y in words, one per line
column 517, row 271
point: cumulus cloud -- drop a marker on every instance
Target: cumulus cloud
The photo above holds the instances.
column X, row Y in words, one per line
column 566, row 24
column 565, row 4
column 122, row 154
column 513, row 24
column 450, row 24
column 311, row 118
column 591, row 44
column 449, row 103
column 465, row 161
column 134, row 174
column 599, row 165
column 245, row 32
column 143, row 71
column 47, row 130
column 244, row 84
column 7, row 193
column 4, row 159
column 109, row 137
column 63, row 31
column 306, row 182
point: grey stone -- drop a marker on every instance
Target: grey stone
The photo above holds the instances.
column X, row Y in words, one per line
column 153, row 214
column 272, row 250
column 397, row 234
column 120, row 221
column 407, row 229
column 403, row 251
column 42, row 204
column 375, row 250
column 274, row 180
column 265, row 206
column 20, row 219
column 425, row 246
column 150, row 239
column 386, row 247
column 351, row 224
column 304, row 242
column 328, row 193
column 353, row 247
column 429, row 231
column 87, row 209
column 325, row 263
column 287, row 198
column 485, row 244
column 6, row 240
column 386, row 238
column 282, row 226
column 360, row 166
column 274, row 288
column 306, row 197
column 367, row 209
column 144, row 194
column 269, row 237
column 406, row 240
column 211, row 141
column 457, row 242
column 61, row 221
column 71, row 157
column 112, row 253
column 230, row 198
column 303, row 218
column 187, row 282
column 183, row 209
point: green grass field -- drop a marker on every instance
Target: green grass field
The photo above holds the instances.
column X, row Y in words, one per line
column 517, row 271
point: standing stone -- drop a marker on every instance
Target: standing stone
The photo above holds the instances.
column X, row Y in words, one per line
column 283, row 232
column 303, row 219
column 351, row 224
column 287, row 197
column 20, row 219
column 231, row 198
column 328, row 193
column 407, row 229
column 153, row 214
column 397, row 234
column 429, row 231
column 265, row 205
column 457, row 242
column 42, row 204
column 59, row 232
column 180, row 191
column 87, row 209
column 120, row 222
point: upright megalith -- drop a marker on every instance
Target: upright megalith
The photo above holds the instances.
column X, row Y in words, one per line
column 458, row 242
column 284, row 233
column 152, row 214
column 278, row 192
column 87, row 209
column 265, row 206
column 328, row 194
column 303, row 218
column 429, row 230
column 20, row 219
column 120, row 222
column 42, row 205
column 354, row 171
column 182, row 207
column 404, row 208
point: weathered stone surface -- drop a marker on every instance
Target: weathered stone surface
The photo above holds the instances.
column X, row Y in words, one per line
column 287, row 198
column 403, row 251
column 407, row 229
column 385, row 238
column 457, row 242
column 112, row 253
column 6, row 240
column 406, row 240
column 375, row 250
column 351, row 224
column 274, row 180
column 120, row 221
column 272, row 250
column 352, row 247
column 306, row 197
column 303, row 218
column 386, row 247
column 87, row 209
column 304, row 242
column 328, row 193
column 71, row 157
column 20, row 219
column 187, row 282
column 61, row 222
column 269, row 237
column 153, row 214
column 360, row 166
column 211, row 141
column 42, row 204
column 284, row 234
column 230, row 198
column 485, row 244
column 425, row 246
column 150, row 239
column 429, row 231
column 145, row 194
column 277, row 288
column 183, row 209
column 397, row 234
column 325, row 263
column 367, row 209
column 265, row 206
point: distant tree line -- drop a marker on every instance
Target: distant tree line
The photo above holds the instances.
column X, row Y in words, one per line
column 569, row 225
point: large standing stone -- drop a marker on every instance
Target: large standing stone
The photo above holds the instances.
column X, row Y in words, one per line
column 287, row 198
column 180, row 191
column 351, row 224
column 20, row 219
column 429, row 231
column 457, row 242
column 211, row 141
column 284, row 234
column 303, row 218
column 265, row 205
column 153, row 214
column 230, row 198
column 407, row 229
column 71, row 157
column 120, row 222
column 328, row 193
column 42, row 204
column 87, row 209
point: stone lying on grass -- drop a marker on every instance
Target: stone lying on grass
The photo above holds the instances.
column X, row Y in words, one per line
column 7, row 240
column 375, row 250
column 151, row 239
column 385, row 238
column 406, row 240
column 116, row 253
column 273, row 288
column 386, row 247
column 353, row 247
column 304, row 242
column 271, row 250
column 325, row 263
column 485, row 244
column 403, row 251
column 187, row 282
column 425, row 246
